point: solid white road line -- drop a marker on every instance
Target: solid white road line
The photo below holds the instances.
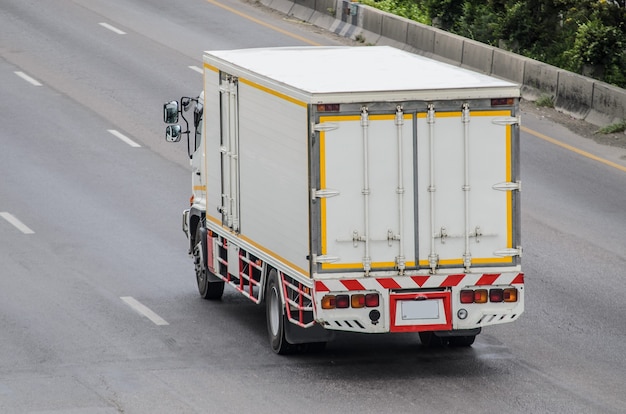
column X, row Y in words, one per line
column 112, row 28
column 195, row 68
column 144, row 310
column 124, row 138
column 27, row 78
column 15, row 222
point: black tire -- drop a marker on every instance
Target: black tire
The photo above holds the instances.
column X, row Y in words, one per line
column 462, row 341
column 208, row 290
column 274, row 311
column 430, row 340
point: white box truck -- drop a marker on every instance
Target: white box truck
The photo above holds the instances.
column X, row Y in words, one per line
column 360, row 189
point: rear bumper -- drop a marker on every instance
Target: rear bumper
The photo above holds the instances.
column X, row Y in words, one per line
column 435, row 305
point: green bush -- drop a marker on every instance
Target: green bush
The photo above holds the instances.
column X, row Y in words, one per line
column 584, row 36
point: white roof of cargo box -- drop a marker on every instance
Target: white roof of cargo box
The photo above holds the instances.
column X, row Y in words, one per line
column 356, row 74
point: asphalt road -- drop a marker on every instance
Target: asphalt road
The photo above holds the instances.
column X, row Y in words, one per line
column 90, row 202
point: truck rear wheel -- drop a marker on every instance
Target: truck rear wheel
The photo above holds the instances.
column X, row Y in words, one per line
column 274, row 311
column 208, row 290
column 462, row 341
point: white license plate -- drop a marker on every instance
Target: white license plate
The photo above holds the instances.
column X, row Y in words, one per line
column 419, row 309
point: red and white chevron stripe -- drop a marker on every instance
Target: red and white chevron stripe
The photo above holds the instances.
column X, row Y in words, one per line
column 416, row 282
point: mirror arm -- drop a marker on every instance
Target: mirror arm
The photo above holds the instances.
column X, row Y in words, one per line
column 185, row 101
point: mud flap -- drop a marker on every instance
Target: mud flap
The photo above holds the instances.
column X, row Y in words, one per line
column 207, row 253
column 297, row 335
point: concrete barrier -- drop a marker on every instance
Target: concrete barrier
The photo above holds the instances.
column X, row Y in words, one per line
column 540, row 79
column 477, row 57
column 574, row 94
column 608, row 104
column 394, row 30
column 283, row 6
column 303, row 9
column 371, row 24
column 507, row 65
column 421, row 39
column 324, row 13
column 581, row 97
column 448, row 47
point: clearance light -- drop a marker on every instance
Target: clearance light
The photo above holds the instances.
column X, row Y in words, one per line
column 510, row 295
column 328, row 107
column 496, row 295
column 342, row 301
column 328, row 302
column 502, row 102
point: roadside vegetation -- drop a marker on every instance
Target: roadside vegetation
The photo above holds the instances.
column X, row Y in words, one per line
column 582, row 36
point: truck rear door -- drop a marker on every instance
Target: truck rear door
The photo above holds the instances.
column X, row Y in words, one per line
column 367, row 198
column 466, row 177
column 417, row 189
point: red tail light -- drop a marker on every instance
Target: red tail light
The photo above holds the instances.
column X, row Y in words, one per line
column 342, row 301
column 372, row 300
column 467, row 296
column 496, row 295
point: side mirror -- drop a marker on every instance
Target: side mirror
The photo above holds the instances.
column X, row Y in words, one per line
column 170, row 112
column 172, row 133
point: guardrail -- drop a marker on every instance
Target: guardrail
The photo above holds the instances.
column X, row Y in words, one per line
column 580, row 97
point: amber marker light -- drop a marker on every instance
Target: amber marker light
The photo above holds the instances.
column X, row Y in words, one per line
column 510, row 295
column 328, row 302
column 358, row 301
column 481, row 296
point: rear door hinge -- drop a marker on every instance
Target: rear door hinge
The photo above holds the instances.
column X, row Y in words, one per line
column 326, row 126
column 508, row 120
column 325, row 259
column 323, row 193
column 508, row 186
column 509, row 252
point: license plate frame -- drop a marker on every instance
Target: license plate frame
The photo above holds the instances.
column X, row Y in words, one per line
column 421, row 311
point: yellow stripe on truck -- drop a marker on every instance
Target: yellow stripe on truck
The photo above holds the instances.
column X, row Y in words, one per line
column 273, row 92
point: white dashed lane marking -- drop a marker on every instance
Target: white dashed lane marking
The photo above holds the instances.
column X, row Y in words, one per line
column 144, row 310
column 27, row 78
column 112, row 28
column 123, row 138
column 16, row 223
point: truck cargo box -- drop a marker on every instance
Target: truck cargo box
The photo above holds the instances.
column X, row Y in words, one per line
column 343, row 172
